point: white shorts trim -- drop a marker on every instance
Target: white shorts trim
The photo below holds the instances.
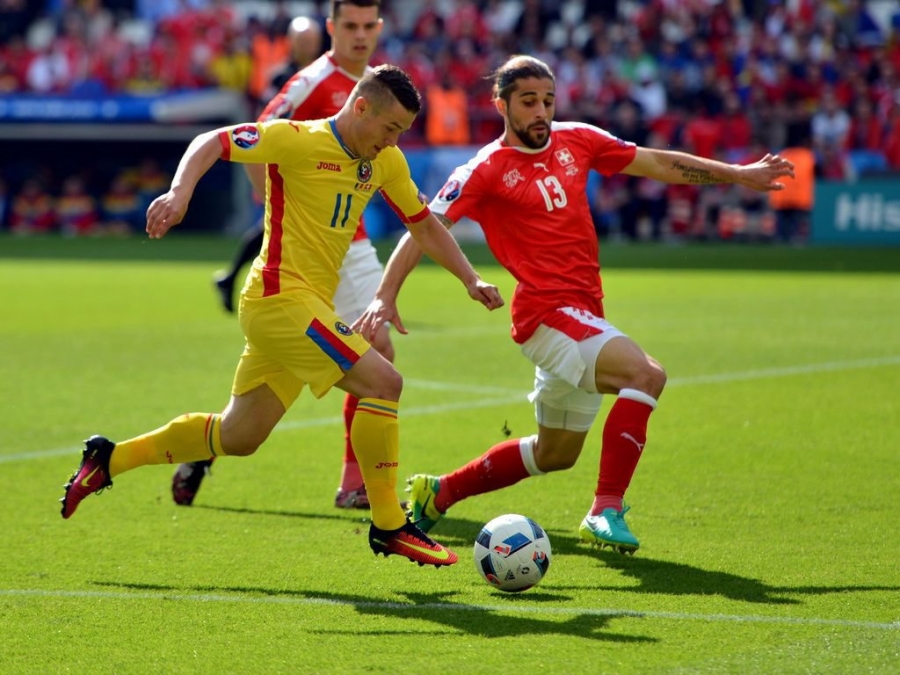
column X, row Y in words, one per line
column 359, row 278
column 565, row 390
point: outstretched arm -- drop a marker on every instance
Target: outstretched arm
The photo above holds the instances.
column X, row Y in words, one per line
column 168, row 210
column 431, row 237
column 670, row 166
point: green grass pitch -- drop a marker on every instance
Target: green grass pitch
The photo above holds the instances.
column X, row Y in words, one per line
column 767, row 500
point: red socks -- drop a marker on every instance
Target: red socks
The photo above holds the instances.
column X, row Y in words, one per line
column 350, row 403
column 503, row 465
column 624, row 436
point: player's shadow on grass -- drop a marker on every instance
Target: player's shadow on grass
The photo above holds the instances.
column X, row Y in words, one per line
column 350, row 516
column 670, row 578
column 660, row 576
column 478, row 620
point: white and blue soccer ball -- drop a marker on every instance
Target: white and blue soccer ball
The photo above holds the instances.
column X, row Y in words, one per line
column 512, row 553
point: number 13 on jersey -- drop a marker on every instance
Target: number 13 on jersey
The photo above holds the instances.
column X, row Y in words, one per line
column 552, row 192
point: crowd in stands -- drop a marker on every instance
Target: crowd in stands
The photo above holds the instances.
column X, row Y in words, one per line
column 730, row 79
column 75, row 211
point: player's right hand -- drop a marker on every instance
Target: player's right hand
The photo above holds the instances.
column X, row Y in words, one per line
column 485, row 293
column 165, row 212
column 764, row 175
column 376, row 315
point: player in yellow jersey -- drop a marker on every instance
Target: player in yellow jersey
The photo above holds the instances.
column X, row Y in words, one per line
column 320, row 175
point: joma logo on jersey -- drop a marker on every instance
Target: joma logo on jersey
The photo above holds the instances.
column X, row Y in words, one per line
column 387, row 465
column 328, row 166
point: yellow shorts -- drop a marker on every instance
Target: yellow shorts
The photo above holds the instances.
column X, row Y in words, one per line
column 294, row 339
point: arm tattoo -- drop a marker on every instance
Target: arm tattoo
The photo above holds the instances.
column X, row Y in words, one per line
column 444, row 219
column 695, row 174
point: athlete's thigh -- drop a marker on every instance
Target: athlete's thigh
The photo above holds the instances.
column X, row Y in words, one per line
column 360, row 275
column 300, row 334
column 249, row 418
column 563, row 396
column 620, row 362
column 372, row 376
column 260, row 402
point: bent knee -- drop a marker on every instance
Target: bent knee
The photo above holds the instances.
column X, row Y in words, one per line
column 658, row 379
column 555, row 463
column 242, row 442
column 390, row 385
column 240, row 448
column 553, row 454
column 651, row 379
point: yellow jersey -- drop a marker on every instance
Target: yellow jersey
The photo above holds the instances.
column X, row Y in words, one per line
column 316, row 190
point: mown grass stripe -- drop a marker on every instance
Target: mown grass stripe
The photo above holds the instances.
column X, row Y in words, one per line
column 449, row 607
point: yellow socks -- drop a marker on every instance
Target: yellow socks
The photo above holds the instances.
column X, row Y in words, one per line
column 375, row 436
column 188, row 438
column 195, row 436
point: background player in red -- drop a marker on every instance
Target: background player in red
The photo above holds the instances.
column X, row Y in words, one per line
column 314, row 92
column 527, row 191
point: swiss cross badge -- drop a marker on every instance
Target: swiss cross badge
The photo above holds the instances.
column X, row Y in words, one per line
column 564, row 156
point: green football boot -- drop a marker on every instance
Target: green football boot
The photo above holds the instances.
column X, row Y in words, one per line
column 422, row 490
column 609, row 529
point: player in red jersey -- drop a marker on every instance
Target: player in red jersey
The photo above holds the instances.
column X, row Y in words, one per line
column 314, row 92
column 527, row 191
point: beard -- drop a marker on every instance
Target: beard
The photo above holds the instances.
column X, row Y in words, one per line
column 530, row 138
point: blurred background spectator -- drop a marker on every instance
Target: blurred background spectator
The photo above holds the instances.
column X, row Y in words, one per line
column 75, row 209
column 728, row 79
column 121, row 208
column 793, row 205
column 32, row 210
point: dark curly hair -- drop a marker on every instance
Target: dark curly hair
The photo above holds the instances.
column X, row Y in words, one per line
column 518, row 68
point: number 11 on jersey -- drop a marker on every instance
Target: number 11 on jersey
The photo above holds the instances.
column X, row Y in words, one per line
column 337, row 210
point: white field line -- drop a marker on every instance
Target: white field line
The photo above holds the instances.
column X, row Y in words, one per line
column 786, row 371
column 507, row 396
column 449, row 607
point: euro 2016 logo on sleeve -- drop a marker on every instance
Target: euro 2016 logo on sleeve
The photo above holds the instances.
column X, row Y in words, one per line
column 450, row 191
column 364, row 171
column 342, row 328
column 246, row 136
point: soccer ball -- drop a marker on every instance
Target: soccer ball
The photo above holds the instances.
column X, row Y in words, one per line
column 512, row 553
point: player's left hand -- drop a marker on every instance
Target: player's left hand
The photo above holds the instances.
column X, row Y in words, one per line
column 763, row 175
column 485, row 293
column 376, row 315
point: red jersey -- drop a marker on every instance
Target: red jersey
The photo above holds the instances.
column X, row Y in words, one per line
column 532, row 206
column 315, row 92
